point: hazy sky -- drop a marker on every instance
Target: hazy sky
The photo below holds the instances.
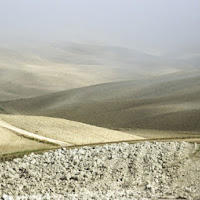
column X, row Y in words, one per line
column 143, row 24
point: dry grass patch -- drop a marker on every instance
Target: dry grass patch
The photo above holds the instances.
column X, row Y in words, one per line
column 10, row 143
column 67, row 131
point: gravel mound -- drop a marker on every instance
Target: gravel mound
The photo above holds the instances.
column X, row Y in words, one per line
column 159, row 170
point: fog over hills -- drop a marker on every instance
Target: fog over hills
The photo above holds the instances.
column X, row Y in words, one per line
column 31, row 69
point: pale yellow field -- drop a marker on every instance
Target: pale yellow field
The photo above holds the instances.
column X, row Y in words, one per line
column 159, row 134
column 67, row 131
column 10, row 142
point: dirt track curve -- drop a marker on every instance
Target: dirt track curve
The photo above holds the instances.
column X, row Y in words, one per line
column 30, row 135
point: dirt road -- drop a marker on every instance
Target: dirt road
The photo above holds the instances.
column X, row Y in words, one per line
column 30, row 135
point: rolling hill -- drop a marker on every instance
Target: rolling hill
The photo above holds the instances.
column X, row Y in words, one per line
column 31, row 70
column 169, row 102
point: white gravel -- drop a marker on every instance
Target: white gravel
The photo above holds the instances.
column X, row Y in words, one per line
column 159, row 170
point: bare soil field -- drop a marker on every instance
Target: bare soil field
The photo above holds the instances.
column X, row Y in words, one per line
column 167, row 103
column 160, row 134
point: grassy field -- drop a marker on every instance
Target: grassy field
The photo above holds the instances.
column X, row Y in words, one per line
column 11, row 143
column 67, row 131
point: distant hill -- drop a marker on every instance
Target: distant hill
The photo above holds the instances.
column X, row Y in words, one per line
column 32, row 69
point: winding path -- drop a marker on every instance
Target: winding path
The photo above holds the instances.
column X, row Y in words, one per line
column 30, row 135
